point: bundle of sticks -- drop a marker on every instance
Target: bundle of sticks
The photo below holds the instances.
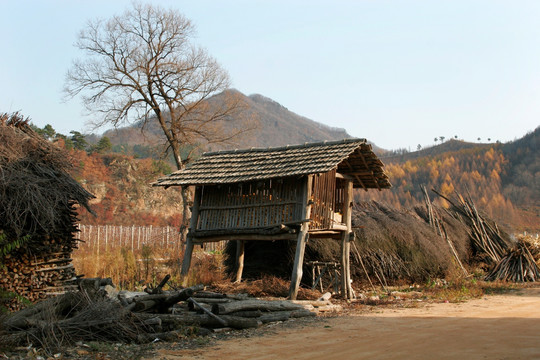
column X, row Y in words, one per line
column 517, row 265
column 485, row 235
column 509, row 261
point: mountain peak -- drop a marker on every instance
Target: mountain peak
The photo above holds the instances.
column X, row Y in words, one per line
column 264, row 99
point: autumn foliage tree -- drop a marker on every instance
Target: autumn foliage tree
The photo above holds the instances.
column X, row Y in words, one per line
column 141, row 66
column 478, row 171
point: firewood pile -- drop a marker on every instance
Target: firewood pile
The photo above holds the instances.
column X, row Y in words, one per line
column 510, row 261
column 48, row 272
column 38, row 217
column 98, row 312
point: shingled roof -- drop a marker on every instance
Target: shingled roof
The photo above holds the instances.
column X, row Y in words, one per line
column 352, row 157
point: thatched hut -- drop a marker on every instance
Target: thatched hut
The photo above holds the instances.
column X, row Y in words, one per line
column 38, row 200
column 286, row 193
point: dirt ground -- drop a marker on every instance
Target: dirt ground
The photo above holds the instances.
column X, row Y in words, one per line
column 493, row 327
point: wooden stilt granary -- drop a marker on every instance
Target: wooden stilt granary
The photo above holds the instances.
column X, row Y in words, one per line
column 285, row 193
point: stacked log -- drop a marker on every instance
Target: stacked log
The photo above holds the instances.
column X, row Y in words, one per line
column 45, row 271
column 210, row 310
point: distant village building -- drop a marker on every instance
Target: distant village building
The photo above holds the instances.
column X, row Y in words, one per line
column 285, row 193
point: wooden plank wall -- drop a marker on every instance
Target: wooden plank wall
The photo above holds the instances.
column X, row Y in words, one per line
column 324, row 193
column 339, row 195
column 250, row 205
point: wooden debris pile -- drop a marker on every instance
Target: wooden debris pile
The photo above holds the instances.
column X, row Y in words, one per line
column 97, row 312
column 509, row 261
column 518, row 265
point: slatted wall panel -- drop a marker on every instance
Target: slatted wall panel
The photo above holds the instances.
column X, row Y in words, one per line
column 322, row 209
column 339, row 197
column 250, row 205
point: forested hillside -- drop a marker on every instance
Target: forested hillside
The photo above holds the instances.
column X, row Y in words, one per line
column 504, row 179
column 124, row 196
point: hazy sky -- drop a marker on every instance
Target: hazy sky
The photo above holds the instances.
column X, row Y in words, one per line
column 396, row 72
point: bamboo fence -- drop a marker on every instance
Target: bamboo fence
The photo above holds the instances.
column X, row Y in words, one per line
column 99, row 238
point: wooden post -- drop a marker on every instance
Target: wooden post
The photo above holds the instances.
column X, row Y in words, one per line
column 98, row 242
column 239, row 259
column 346, row 288
column 302, row 238
column 186, row 263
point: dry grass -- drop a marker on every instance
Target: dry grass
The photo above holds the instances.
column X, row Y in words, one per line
column 133, row 269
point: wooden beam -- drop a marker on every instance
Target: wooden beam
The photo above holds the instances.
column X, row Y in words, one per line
column 346, row 288
column 247, row 206
column 344, row 176
column 239, row 260
column 186, row 263
column 356, row 176
column 216, row 238
column 362, row 173
column 266, row 230
column 324, row 232
column 326, row 235
column 302, row 238
column 367, row 167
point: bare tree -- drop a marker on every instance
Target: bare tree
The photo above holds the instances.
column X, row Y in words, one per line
column 142, row 66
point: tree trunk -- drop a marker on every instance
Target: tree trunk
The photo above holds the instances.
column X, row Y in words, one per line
column 186, row 213
column 204, row 320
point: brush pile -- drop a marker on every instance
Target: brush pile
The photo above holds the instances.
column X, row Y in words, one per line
column 510, row 261
column 390, row 246
column 37, row 213
column 487, row 239
column 518, row 265
column 97, row 312
column 399, row 245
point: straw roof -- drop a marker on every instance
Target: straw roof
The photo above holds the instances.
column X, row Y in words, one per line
column 353, row 157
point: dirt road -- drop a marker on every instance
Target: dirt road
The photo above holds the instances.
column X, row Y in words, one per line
column 494, row 327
